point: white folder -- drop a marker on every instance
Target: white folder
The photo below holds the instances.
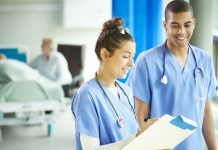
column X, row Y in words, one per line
column 165, row 133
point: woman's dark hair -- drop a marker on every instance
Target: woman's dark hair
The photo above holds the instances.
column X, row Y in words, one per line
column 111, row 36
column 178, row 6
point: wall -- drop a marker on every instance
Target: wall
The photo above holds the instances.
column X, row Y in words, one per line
column 203, row 33
column 28, row 28
column 215, row 17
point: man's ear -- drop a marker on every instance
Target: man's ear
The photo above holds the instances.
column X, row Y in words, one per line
column 104, row 54
column 165, row 25
column 194, row 22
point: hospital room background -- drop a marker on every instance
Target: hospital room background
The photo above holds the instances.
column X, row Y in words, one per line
column 35, row 112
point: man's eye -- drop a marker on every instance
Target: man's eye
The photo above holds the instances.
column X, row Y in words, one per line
column 187, row 25
column 174, row 26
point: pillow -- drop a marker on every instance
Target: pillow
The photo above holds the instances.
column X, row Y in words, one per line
column 13, row 70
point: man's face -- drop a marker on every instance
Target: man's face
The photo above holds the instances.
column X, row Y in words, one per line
column 47, row 50
column 179, row 28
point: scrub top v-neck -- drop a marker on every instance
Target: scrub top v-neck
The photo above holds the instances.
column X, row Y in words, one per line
column 95, row 117
column 179, row 95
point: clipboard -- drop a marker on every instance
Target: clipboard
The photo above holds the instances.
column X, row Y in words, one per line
column 165, row 133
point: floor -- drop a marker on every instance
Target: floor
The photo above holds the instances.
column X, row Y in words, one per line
column 35, row 137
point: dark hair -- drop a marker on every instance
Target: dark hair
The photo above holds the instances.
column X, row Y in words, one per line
column 111, row 36
column 178, row 6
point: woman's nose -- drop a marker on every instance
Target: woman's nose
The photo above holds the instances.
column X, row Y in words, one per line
column 131, row 62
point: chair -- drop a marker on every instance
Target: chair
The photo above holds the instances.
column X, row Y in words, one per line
column 73, row 55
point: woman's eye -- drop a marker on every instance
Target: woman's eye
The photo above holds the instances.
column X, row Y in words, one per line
column 125, row 56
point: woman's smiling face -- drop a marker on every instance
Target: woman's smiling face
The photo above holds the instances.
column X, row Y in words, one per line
column 119, row 63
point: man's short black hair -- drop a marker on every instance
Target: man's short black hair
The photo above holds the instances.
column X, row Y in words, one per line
column 178, row 6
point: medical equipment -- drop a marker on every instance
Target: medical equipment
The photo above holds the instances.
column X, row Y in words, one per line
column 26, row 97
column 29, row 108
column 120, row 121
column 197, row 71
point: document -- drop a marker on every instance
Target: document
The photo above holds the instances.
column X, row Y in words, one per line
column 116, row 145
column 165, row 133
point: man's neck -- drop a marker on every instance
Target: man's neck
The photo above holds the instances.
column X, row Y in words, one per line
column 180, row 54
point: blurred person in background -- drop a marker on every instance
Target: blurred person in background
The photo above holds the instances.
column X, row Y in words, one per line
column 52, row 64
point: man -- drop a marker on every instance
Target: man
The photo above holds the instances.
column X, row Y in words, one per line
column 176, row 78
column 52, row 64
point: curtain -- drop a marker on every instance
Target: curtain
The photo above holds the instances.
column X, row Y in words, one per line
column 144, row 19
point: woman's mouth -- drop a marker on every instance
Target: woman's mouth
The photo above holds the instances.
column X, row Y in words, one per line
column 125, row 70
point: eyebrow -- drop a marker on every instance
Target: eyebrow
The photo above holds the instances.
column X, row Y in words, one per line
column 188, row 22
column 174, row 23
column 184, row 23
column 127, row 52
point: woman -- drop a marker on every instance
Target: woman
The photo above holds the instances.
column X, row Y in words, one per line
column 103, row 107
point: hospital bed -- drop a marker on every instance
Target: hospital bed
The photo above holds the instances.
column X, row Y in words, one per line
column 26, row 97
column 15, row 52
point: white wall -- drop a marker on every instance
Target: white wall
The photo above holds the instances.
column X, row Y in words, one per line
column 215, row 17
column 28, row 28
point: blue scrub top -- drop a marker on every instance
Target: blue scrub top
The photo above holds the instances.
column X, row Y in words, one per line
column 179, row 96
column 95, row 117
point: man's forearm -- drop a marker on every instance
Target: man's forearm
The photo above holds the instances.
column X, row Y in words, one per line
column 209, row 129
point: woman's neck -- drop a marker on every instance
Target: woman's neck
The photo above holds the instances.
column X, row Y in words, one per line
column 106, row 78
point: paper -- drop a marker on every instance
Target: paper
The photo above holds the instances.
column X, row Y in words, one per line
column 117, row 145
column 166, row 133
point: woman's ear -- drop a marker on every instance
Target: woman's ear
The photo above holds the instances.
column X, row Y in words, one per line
column 104, row 54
